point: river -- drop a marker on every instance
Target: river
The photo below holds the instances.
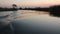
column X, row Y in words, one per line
column 31, row 22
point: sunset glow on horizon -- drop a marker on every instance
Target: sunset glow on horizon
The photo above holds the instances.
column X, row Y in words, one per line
column 29, row 3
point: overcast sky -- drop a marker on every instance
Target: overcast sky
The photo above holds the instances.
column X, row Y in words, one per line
column 29, row 3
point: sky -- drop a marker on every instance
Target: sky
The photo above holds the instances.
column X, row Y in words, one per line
column 29, row 3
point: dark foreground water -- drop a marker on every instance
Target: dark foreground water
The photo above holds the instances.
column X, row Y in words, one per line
column 28, row 22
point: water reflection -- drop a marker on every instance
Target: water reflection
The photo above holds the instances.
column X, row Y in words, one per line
column 31, row 21
column 30, row 13
column 12, row 15
column 36, row 22
column 21, row 14
column 7, row 17
column 54, row 14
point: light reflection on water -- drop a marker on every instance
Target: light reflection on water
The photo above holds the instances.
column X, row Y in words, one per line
column 33, row 20
column 27, row 14
column 23, row 14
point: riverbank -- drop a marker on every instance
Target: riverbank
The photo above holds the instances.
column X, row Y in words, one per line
column 8, row 9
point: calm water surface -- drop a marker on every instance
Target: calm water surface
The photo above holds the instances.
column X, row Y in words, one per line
column 31, row 21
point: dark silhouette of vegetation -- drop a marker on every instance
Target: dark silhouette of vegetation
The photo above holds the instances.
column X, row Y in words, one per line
column 20, row 8
column 14, row 5
column 55, row 10
column 14, row 8
column 37, row 8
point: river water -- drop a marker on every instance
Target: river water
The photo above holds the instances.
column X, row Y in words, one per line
column 31, row 22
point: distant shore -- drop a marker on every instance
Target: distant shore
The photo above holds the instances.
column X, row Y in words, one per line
column 51, row 9
column 8, row 9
